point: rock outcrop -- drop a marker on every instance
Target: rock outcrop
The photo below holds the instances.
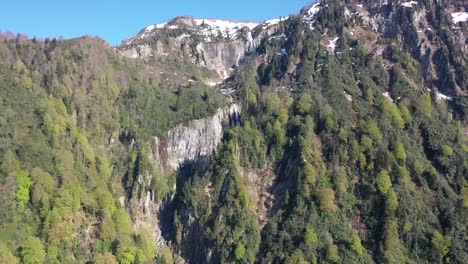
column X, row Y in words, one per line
column 193, row 141
column 187, row 143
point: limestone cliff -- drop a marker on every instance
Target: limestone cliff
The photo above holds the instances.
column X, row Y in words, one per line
column 193, row 141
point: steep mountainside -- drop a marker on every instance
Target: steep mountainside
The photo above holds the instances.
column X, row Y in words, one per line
column 335, row 135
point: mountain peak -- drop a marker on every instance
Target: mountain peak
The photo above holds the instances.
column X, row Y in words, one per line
column 211, row 29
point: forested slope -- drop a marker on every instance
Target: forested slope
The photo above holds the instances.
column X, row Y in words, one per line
column 347, row 142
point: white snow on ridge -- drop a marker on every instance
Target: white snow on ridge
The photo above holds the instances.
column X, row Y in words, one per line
column 309, row 16
column 459, row 17
column 275, row 21
column 409, row 4
column 210, row 28
column 314, row 9
column 147, row 31
column 332, row 44
column 227, row 29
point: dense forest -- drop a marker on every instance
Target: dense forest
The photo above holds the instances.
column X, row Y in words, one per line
column 341, row 153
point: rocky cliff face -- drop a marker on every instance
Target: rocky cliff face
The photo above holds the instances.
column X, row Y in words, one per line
column 188, row 143
column 193, row 141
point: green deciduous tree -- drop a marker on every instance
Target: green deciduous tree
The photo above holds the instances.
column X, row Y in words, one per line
column 126, row 254
column 240, row 251
column 310, row 237
column 6, row 256
column 24, row 183
column 391, row 201
column 356, row 244
column 106, row 258
column 441, row 243
column 383, row 181
column 10, row 162
column 400, row 153
column 391, row 110
column 309, row 174
column 425, row 105
column 32, row 251
column 332, row 254
column 446, row 150
column 327, row 200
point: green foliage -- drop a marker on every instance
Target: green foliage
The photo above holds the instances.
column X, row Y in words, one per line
column 441, row 243
column 464, row 192
column 333, row 254
column 391, row 202
column 406, row 114
column 371, row 129
column 304, row 104
column 10, row 163
column 383, row 181
column 251, row 144
column 122, row 222
column 391, row 241
column 391, row 110
column 6, row 256
column 107, row 226
column 24, row 183
column 126, row 254
column 400, row 153
column 106, row 258
column 425, row 105
column 356, row 244
column 147, row 243
column 32, row 251
column 310, row 237
column 240, row 251
column 327, row 200
column 309, row 174
column 446, row 150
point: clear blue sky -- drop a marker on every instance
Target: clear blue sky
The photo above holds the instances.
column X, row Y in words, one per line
column 115, row 20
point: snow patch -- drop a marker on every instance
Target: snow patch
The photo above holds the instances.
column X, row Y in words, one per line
column 386, row 94
column 459, row 17
column 275, row 21
column 348, row 96
column 314, row 9
column 212, row 84
column 223, row 28
column 409, row 4
column 440, row 96
column 149, row 29
column 162, row 25
column 332, row 44
column 310, row 13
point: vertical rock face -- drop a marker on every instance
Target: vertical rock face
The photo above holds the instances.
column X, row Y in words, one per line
column 144, row 210
column 184, row 144
column 192, row 141
column 222, row 56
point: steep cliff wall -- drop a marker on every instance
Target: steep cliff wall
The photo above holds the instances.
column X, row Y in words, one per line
column 192, row 141
column 184, row 144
